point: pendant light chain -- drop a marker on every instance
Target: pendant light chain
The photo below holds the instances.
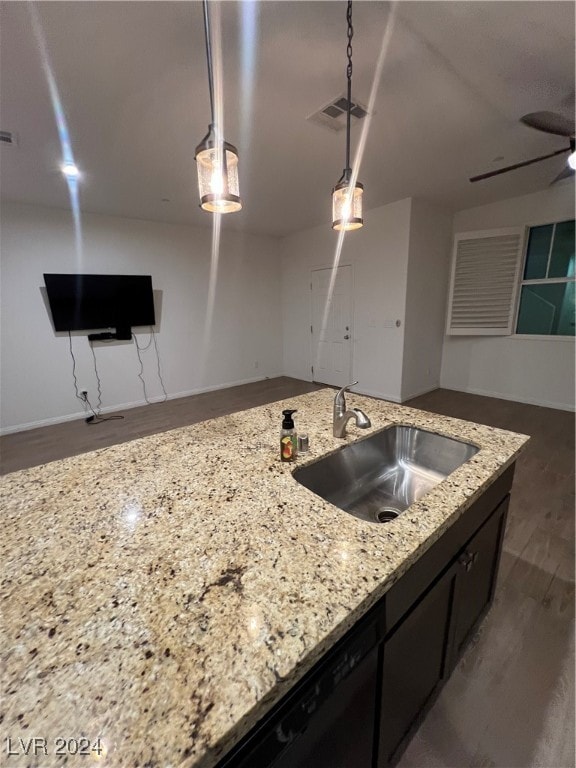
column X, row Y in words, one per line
column 349, row 77
column 209, row 58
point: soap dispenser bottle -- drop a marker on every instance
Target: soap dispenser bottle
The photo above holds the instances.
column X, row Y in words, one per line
column 288, row 437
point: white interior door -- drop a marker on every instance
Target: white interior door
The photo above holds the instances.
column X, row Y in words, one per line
column 332, row 326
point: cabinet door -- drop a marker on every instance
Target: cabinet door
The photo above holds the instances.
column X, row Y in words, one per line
column 477, row 567
column 413, row 660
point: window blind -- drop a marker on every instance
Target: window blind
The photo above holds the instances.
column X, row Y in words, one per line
column 484, row 282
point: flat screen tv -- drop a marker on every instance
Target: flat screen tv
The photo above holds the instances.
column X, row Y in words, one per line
column 88, row 302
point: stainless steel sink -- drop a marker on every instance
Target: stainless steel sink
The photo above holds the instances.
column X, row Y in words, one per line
column 379, row 477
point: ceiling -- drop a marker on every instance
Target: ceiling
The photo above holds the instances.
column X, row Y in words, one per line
column 132, row 82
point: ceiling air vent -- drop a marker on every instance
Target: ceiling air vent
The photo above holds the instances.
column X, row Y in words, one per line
column 333, row 114
column 7, row 138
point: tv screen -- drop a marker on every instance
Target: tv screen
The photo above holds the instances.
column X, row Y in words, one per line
column 88, row 302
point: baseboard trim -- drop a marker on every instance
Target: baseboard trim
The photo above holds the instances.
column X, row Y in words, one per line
column 419, row 392
column 45, row 422
column 127, row 406
column 516, row 399
column 377, row 395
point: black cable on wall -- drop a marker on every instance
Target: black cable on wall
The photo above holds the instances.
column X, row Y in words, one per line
column 96, row 412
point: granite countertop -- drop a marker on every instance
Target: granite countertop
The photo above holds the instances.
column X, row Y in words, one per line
column 163, row 594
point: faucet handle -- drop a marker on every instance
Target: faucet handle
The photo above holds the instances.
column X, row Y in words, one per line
column 340, row 398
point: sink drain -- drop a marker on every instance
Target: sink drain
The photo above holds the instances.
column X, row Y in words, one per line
column 386, row 514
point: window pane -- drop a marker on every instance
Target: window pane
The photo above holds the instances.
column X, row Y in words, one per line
column 547, row 309
column 562, row 259
column 538, row 250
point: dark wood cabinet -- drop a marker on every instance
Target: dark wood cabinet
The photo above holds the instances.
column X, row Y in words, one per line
column 360, row 705
column 477, row 568
column 420, row 652
column 413, row 659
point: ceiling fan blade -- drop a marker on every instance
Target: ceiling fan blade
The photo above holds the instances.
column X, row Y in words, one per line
column 518, row 165
column 564, row 174
column 549, row 122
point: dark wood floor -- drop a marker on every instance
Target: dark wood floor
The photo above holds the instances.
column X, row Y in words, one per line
column 38, row 446
column 510, row 701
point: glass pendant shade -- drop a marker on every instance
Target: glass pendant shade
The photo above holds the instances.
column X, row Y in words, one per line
column 347, row 206
column 346, row 196
column 218, row 176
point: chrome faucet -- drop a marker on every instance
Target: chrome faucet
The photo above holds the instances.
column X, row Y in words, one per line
column 341, row 417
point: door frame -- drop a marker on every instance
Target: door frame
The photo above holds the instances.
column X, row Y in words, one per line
column 318, row 268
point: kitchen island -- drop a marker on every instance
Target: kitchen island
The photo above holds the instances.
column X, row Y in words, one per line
column 161, row 596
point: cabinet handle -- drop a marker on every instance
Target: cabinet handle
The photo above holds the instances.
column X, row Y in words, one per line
column 467, row 559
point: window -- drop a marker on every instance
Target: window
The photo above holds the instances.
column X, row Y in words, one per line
column 518, row 280
column 546, row 304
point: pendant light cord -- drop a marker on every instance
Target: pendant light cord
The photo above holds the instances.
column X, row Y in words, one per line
column 209, row 57
column 349, row 77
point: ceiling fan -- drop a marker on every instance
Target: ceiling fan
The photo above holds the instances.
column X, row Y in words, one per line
column 548, row 122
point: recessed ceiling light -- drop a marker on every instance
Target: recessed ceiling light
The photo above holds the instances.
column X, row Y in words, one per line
column 70, row 170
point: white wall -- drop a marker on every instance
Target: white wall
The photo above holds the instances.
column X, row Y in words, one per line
column 427, row 289
column 539, row 371
column 36, row 370
column 378, row 254
column 261, row 323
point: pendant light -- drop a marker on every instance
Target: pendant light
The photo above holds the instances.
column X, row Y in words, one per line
column 347, row 197
column 216, row 159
